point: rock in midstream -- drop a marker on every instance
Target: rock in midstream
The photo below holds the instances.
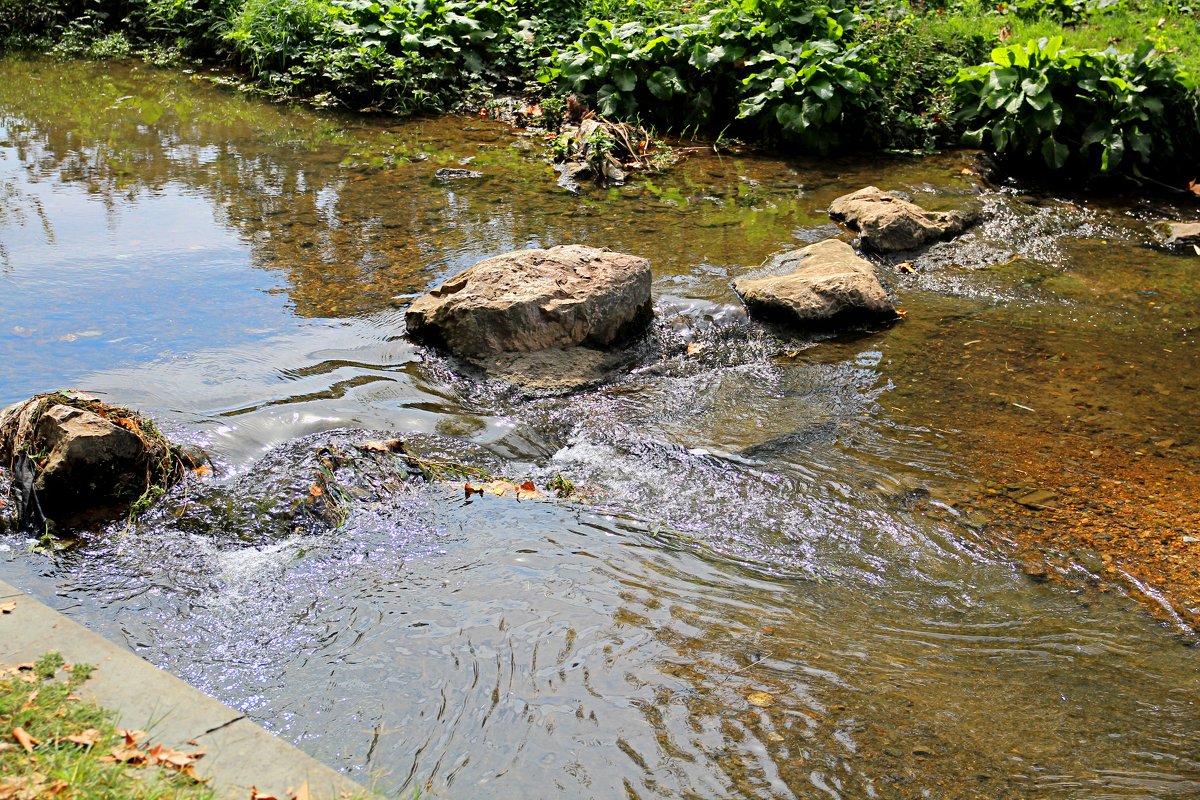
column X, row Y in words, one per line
column 886, row 223
column 532, row 300
column 823, row 285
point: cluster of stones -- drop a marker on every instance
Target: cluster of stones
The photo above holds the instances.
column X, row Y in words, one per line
column 570, row 296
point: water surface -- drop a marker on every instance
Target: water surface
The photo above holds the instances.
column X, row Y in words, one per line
column 770, row 590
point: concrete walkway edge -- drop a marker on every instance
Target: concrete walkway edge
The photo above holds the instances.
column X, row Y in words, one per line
column 239, row 754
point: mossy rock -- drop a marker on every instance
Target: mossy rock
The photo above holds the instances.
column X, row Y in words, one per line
column 72, row 459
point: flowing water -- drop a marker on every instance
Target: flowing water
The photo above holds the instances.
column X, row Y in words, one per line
column 769, row 590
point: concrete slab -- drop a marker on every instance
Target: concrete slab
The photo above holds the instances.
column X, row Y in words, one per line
column 240, row 754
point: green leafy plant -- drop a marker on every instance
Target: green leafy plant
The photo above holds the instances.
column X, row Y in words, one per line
column 1084, row 110
column 782, row 66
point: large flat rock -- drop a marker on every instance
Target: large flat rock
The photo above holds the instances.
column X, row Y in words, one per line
column 886, row 223
column 824, row 285
column 531, row 300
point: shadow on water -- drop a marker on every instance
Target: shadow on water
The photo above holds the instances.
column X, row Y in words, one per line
column 769, row 592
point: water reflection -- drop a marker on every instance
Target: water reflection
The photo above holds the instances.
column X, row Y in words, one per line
column 770, row 593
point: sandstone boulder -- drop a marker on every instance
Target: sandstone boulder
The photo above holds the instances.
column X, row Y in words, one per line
column 823, row 285
column 532, row 300
column 886, row 223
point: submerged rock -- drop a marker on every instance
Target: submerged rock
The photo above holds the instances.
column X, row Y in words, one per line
column 72, row 456
column 823, row 285
column 886, row 223
column 446, row 174
column 532, row 300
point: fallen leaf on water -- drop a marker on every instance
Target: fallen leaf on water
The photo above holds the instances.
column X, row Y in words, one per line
column 525, row 491
column 7, row 608
column 902, row 312
column 760, row 699
column 24, row 739
column 499, row 488
column 204, row 471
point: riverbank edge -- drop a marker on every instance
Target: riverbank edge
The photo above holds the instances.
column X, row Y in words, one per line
column 238, row 753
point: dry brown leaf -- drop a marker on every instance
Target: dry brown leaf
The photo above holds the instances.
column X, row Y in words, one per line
column 24, row 739
column 1194, row 187
column 256, row 795
column 695, row 347
column 30, row 787
column 906, row 267
column 9, row 607
column 390, row 446
column 499, row 488
column 126, row 755
column 203, row 471
column 29, row 701
column 315, row 490
column 131, row 737
column 126, row 423
column 174, row 759
column 87, row 738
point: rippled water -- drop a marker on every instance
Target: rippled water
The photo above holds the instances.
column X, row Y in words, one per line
column 769, row 591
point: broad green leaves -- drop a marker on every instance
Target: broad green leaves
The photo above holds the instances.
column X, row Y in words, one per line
column 783, row 65
column 1081, row 109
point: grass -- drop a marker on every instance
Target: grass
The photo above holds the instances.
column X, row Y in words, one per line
column 1122, row 27
column 39, row 700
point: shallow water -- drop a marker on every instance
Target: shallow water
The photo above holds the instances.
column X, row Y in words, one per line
column 767, row 514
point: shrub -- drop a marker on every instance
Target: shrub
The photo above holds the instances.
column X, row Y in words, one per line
column 1079, row 110
column 780, row 65
column 270, row 35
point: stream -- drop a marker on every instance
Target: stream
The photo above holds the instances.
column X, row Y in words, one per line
column 770, row 588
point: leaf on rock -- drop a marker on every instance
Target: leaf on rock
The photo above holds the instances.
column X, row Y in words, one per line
column 695, row 347
column 7, row 608
column 390, row 446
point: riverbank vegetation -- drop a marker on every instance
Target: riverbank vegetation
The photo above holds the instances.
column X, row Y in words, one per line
column 55, row 744
column 1078, row 86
